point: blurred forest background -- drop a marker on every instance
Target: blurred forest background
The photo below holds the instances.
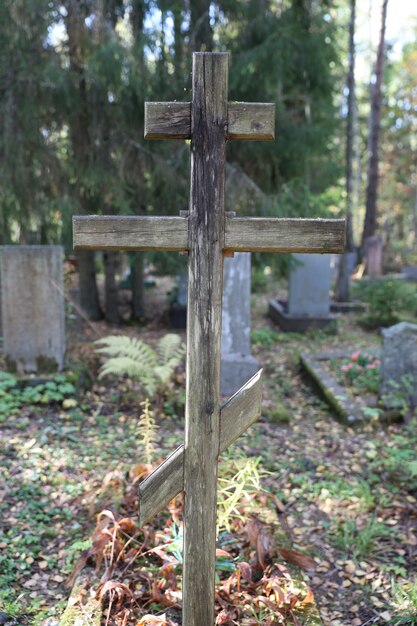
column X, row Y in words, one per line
column 74, row 76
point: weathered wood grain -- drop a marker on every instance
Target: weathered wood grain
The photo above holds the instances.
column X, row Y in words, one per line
column 252, row 121
column 167, row 120
column 205, row 286
column 167, row 481
column 96, row 232
column 242, row 234
column 240, row 411
column 160, row 487
column 261, row 234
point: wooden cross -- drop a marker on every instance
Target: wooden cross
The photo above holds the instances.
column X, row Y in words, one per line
column 206, row 234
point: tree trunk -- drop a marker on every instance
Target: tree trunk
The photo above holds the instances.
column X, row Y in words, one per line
column 343, row 281
column 178, row 44
column 137, row 267
column 137, row 16
column 370, row 224
column 102, row 33
column 80, row 143
column 89, row 301
column 111, row 290
column 201, row 34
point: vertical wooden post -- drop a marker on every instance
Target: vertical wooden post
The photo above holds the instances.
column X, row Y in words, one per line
column 206, row 232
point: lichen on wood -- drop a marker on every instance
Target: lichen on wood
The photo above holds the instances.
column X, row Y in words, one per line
column 83, row 608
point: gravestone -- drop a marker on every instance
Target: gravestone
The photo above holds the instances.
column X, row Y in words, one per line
column 373, row 255
column 308, row 302
column 399, row 360
column 33, row 312
column 178, row 308
column 237, row 363
column 410, row 272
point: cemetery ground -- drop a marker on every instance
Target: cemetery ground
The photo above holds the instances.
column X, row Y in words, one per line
column 346, row 497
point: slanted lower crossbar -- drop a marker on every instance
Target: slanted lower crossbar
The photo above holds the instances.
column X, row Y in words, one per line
column 167, row 481
column 242, row 234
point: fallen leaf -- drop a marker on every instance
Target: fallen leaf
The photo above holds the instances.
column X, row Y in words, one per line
column 301, row 560
column 152, row 619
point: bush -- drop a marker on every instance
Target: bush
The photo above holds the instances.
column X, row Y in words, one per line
column 388, row 300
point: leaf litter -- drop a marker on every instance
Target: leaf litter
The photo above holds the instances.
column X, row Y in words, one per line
column 342, row 496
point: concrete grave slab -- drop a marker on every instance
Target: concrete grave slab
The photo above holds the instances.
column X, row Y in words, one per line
column 346, row 407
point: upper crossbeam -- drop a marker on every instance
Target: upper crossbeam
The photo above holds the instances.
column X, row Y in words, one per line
column 253, row 121
column 242, row 234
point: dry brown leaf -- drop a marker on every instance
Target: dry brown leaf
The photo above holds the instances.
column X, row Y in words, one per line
column 245, row 570
column 152, row 619
column 309, row 599
column 261, row 539
column 294, row 557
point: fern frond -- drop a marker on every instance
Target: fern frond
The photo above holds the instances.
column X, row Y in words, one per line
column 164, row 373
column 170, row 350
column 136, row 359
column 135, row 349
column 121, row 365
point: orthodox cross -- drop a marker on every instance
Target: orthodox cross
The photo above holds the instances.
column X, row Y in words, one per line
column 207, row 234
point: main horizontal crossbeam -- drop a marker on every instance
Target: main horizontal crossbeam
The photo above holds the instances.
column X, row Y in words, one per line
column 167, row 481
column 253, row 121
column 96, row 232
column 242, row 234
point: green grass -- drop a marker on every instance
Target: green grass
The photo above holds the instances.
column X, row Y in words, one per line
column 360, row 542
column 404, row 603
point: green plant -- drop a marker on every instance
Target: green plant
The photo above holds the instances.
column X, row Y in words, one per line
column 354, row 490
column 13, row 396
column 259, row 278
column 371, row 412
column 279, row 414
column 147, row 432
column 401, row 396
column 398, row 461
column 264, row 337
column 360, row 541
column 174, row 404
column 239, row 477
column 136, row 359
column 360, row 370
column 11, row 608
column 388, row 300
column 404, row 602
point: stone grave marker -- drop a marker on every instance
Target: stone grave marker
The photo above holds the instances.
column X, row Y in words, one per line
column 373, row 255
column 399, row 360
column 308, row 303
column 410, row 272
column 178, row 308
column 237, row 363
column 33, row 311
column 207, row 234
